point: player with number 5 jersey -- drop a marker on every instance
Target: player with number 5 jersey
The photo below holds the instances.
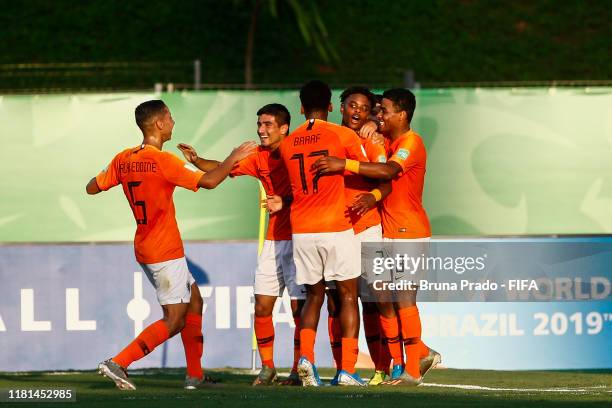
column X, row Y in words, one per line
column 149, row 176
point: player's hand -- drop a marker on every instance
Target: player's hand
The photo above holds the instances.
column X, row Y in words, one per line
column 328, row 164
column 378, row 139
column 243, row 151
column 274, row 203
column 363, row 203
column 368, row 130
column 189, row 152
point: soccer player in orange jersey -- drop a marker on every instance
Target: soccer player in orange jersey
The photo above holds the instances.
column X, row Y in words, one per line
column 356, row 104
column 149, row 176
column 403, row 218
column 324, row 244
column 275, row 267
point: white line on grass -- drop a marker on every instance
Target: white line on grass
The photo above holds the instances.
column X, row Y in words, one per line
column 481, row 388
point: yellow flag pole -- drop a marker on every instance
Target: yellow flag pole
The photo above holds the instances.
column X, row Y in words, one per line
column 261, row 237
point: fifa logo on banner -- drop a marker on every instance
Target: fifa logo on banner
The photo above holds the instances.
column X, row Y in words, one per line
column 233, row 307
column 138, row 308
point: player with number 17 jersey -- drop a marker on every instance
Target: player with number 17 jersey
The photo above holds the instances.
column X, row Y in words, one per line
column 324, row 245
column 319, row 203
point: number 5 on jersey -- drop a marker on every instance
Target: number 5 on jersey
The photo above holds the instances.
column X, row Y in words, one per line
column 131, row 187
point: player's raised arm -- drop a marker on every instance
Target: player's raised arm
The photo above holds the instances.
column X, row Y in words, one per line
column 214, row 177
column 192, row 157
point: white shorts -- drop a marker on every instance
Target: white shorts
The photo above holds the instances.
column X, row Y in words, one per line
column 395, row 246
column 426, row 239
column 172, row 280
column 276, row 271
column 372, row 234
column 332, row 256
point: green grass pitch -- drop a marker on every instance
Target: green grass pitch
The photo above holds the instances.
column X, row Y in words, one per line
column 442, row 388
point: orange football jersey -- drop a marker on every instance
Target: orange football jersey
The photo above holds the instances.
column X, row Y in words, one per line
column 319, row 202
column 148, row 177
column 356, row 185
column 403, row 215
column 268, row 167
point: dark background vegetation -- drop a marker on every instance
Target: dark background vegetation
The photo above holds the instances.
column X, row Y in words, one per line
column 468, row 41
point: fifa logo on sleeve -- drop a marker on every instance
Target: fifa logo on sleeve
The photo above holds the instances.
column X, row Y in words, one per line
column 403, row 154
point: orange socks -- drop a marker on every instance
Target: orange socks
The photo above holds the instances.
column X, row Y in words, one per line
column 307, row 341
column 411, row 332
column 193, row 343
column 371, row 326
column 335, row 339
column 384, row 358
column 423, row 350
column 296, row 343
column 390, row 331
column 264, row 331
column 350, row 351
column 151, row 337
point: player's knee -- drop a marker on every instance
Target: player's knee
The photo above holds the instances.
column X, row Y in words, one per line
column 386, row 310
column 348, row 300
column 175, row 324
column 316, row 299
column 262, row 309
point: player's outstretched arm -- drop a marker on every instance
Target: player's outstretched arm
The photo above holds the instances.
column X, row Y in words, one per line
column 214, row 177
column 192, row 157
column 379, row 171
column 92, row 187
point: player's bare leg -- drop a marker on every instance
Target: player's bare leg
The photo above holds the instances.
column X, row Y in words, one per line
column 389, row 326
column 193, row 342
column 264, row 332
column 349, row 322
column 428, row 357
column 378, row 350
column 174, row 317
column 334, row 329
column 410, row 333
column 296, row 310
column 151, row 337
column 311, row 313
column 371, row 326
